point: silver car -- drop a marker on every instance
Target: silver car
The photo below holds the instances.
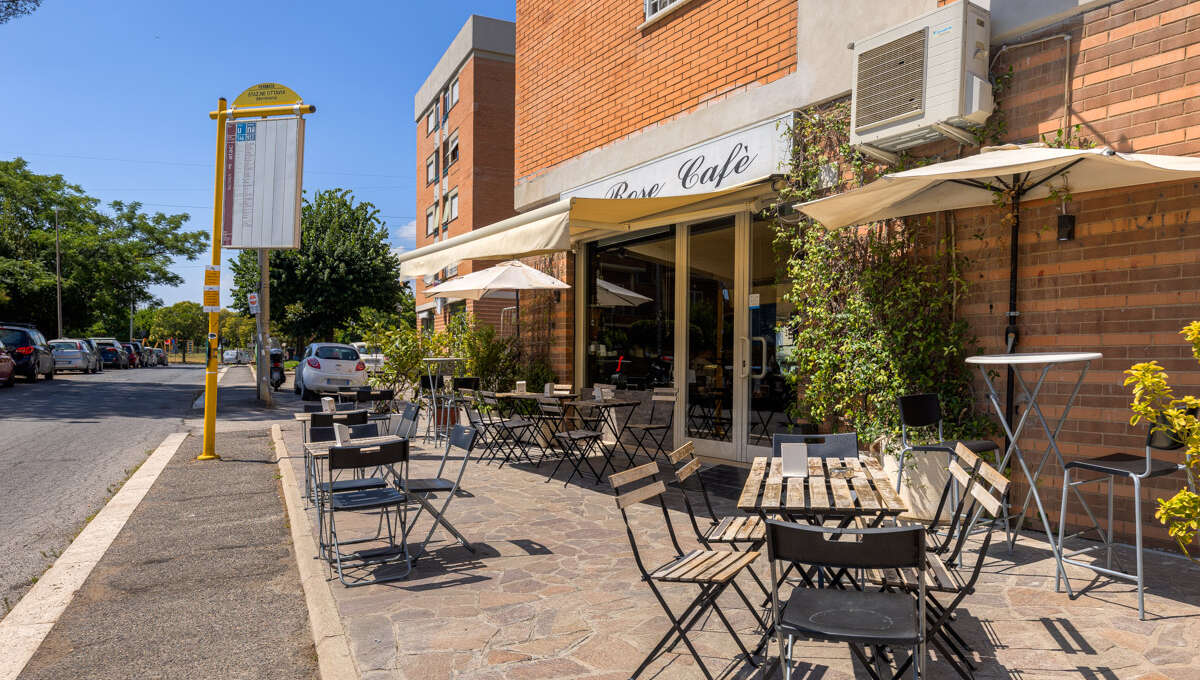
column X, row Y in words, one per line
column 74, row 355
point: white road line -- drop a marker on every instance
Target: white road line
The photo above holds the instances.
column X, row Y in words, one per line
column 199, row 403
column 26, row 626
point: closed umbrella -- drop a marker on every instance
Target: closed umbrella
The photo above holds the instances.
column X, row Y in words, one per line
column 510, row 275
column 1029, row 171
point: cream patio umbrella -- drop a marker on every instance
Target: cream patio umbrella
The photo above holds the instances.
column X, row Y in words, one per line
column 1028, row 171
column 510, row 275
column 609, row 294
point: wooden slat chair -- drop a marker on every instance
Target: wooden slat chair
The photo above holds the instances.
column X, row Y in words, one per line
column 982, row 490
column 711, row 570
column 573, row 437
column 653, row 431
column 389, row 503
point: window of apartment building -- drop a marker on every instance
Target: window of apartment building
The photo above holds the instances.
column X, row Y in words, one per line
column 451, row 207
column 431, row 168
column 453, row 93
column 450, row 152
column 657, row 7
column 431, row 220
column 431, row 120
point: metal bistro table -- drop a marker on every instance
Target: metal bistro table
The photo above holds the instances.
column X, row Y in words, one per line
column 437, row 368
column 1046, row 362
column 608, row 412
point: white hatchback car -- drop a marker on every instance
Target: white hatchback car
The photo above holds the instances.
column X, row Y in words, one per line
column 328, row 367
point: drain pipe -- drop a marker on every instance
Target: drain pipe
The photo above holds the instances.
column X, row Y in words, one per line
column 1065, row 37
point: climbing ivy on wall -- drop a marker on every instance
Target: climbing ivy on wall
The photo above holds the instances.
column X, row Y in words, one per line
column 876, row 304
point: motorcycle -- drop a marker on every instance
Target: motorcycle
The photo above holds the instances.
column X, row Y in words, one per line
column 276, row 369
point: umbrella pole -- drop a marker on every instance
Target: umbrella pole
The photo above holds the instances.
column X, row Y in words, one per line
column 517, row 316
column 1010, row 330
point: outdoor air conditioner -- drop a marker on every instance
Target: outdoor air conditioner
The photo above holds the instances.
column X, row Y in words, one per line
column 922, row 80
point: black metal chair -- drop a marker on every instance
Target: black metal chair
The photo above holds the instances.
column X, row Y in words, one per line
column 576, row 443
column 384, row 501
column 838, row 445
column 653, row 431
column 508, row 435
column 461, row 442
column 861, row 618
column 1136, row 468
column 922, row 411
column 711, row 570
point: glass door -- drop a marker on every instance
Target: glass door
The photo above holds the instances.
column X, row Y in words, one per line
column 768, row 392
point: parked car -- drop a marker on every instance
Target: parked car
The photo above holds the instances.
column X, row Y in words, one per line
column 371, row 356
column 118, row 358
column 142, row 352
column 95, row 348
column 328, row 367
column 29, row 350
column 135, row 357
column 72, row 354
column 8, row 369
column 160, row 356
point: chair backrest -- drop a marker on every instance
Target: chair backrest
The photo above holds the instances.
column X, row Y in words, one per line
column 321, row 419
column 559, row 388
column 321, row 434
column 991, row 500
column 346, row 406
column 353, row 457
column 364, row 430
column 313, row 408
column 462, row 437
column 426, row 382
column 840, row 445
column 356, row 417
column 606, row 391
column 467, row 382
column 876, row 548
column 551, row 407
column 919, row 410
column 655, row 489
column 1162, row 438
column 663, row 394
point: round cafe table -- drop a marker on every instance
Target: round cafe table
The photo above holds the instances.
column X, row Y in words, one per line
column 1040, row 363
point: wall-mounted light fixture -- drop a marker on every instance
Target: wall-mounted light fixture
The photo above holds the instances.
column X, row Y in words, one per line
column 1066, row 227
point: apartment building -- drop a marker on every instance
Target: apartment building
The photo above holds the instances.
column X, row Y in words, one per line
column 649, row 138
column 464, row 126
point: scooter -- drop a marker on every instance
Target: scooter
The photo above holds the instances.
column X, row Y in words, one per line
column 276, row 369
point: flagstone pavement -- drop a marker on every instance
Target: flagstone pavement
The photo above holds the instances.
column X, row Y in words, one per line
column 552, row 591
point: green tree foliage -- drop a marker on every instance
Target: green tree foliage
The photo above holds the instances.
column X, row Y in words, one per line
column 182, row 321
column 344, row 264
column 109, row 259
column 237, row 330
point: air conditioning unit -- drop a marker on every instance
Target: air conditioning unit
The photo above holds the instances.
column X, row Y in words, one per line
column 922, row 80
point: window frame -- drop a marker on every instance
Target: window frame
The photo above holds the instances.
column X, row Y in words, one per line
column 435, row 159
column 453, row 96
column 664, row 9
column 451, row 207
column 432, row 120
column 450, row 146
column 431, row 218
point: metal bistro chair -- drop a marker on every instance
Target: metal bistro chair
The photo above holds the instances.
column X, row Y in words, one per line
column 507, row 434
column 384, row 501
column 925, row 410
column 652, row 431
column 838, row 445
column 711, row 570
column 325, row 420
column 577, row 443
column 404, row 423
column 1135, row 467
column 461, row 442
column 859, row 617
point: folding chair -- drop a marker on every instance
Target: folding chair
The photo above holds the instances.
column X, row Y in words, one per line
column 322, row 419
column 711, row 570
column 385, row 501
column 652, row 430
column 576, row 443
column 925, row 410
column 461, row 442
column 404, row 423
column 508, row 434
column 837, row 445
column 859, row 617
column 1136, row 468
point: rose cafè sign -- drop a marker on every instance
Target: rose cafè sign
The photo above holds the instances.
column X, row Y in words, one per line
column 751, row 153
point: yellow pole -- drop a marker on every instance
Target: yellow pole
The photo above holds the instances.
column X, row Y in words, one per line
column 210, row 371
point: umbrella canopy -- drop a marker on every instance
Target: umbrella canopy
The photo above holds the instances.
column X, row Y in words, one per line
column 968, row 182
column 511, row 275
column 609, row 294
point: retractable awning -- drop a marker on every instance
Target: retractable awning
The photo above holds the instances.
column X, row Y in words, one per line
column 557, row 226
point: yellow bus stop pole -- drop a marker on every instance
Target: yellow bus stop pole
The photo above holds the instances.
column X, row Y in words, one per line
column 210, row 371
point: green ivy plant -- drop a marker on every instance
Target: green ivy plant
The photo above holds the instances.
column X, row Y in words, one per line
column 875, row 305
column 1155, row 402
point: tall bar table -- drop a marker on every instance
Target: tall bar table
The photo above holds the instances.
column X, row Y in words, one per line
column 1042, row 363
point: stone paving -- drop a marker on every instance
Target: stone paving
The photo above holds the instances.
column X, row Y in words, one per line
column 553, row 592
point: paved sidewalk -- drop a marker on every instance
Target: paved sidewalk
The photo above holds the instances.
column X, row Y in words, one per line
column 200, row 583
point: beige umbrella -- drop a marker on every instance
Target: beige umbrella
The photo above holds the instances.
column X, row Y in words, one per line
column 1029, row 171
column 609, row 294
column 510, row 275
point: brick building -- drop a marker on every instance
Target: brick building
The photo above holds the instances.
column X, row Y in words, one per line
column 464, row 126
column 678, row 109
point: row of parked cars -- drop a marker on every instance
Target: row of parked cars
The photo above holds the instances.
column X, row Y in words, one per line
column 25, row 352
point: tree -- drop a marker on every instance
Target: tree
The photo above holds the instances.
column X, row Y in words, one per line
column 237, row 330
column 343, row 264
column 182, row 321
column 11, row 9
column 109, row 260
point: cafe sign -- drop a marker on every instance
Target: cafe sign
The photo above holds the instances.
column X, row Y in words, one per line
column 751, row 153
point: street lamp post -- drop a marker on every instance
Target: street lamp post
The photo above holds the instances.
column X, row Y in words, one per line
column 58, row 272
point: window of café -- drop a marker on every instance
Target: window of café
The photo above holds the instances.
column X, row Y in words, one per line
column 631, row 310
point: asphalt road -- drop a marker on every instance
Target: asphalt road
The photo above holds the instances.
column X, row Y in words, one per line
column 64, row 443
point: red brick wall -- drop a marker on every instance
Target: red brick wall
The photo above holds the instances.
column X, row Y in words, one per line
column 587, row 77
column 1131, row 278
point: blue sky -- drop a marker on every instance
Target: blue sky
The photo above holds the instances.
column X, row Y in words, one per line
column 115, row 96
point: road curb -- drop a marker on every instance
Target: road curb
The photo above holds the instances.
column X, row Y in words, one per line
column 198, row 401
column 26, row 626
column 334, row 658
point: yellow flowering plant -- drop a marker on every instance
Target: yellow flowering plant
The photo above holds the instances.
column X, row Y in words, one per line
column 1155, row 402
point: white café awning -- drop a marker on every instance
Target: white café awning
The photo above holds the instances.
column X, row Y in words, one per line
column 557, row 226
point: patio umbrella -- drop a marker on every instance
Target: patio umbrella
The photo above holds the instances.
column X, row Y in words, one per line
column 609, row 294
column 510, row 275
column 1028, row 171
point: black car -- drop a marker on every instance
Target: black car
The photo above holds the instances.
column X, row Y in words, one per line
column 29, row 350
